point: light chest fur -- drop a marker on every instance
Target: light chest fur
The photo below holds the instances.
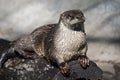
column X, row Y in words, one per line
column 67, row 43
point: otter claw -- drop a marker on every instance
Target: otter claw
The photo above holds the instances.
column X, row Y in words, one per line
column 65, row 68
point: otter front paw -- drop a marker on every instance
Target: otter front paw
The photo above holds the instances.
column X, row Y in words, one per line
column 65, row 69
column 84, row 61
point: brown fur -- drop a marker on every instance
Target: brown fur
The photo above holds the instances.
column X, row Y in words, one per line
column 46, row 40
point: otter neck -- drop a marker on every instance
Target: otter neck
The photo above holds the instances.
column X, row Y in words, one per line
column 76, row 27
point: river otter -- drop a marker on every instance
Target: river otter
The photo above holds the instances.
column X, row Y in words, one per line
column 58, row 43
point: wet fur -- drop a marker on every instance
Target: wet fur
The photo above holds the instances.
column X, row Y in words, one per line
column 57, row 43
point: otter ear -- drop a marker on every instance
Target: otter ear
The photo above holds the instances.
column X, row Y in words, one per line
column 62, row 15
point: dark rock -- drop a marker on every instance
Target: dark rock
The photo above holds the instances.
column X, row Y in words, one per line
column 25, row 69
column 39, row 69
column 117, row 71
column 93, row 72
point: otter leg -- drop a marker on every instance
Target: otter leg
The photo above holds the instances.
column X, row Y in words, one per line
column 27, row 53
column 24, row 47
column 83, row 59
column 63, row 65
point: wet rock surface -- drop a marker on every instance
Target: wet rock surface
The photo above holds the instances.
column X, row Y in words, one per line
column 39, row 69
column 93, row 72
column 22, row 69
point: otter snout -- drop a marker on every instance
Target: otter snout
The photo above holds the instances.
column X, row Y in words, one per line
column 80, row 18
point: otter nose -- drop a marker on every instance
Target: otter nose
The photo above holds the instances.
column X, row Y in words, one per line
column 83, row 18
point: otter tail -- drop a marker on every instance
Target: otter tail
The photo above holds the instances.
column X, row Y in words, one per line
column 6, row 51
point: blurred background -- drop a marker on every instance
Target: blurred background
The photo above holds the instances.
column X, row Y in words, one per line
column 20, row 17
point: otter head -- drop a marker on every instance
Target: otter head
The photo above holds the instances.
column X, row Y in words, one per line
column 73, row 19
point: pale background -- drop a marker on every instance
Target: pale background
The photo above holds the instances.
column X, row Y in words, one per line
column 20, row 17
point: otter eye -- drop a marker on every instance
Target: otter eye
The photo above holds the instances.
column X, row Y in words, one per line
column 68, row 16
column 78, row 17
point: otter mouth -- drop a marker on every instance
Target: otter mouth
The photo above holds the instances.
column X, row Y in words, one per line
column 77, row 26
